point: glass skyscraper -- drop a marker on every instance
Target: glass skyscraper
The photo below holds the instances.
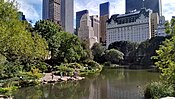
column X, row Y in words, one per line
column 155, row 5
column 104, row 9
column 104, row 16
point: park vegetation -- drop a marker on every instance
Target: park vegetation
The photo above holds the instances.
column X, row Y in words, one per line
column 27, row 51
column 165, row 62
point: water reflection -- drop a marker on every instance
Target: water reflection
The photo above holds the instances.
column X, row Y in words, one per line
column 110, row 84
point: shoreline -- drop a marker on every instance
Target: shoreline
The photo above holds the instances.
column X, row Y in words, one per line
column 49, row 78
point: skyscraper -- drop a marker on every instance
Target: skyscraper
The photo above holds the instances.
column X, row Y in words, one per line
column 51, row 10
column 95, row 23
column 85, row 31
column 78, row 18
column 67, row 15
column 104, row 16
column 155, row 5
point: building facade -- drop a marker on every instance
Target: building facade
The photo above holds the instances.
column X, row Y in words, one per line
column 85, row 31
column 134, row 27
column 78, row 18
column 155, row 5
column 154, row 23
column 51, row 10
column 104, row 16
column 161, row 27
column 67, row 15
column 95, row 23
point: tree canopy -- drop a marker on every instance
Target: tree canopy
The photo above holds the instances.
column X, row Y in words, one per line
column 15, row 42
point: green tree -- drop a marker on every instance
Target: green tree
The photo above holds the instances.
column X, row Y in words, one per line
column 17, row 44
column 67, row 48
column 113, row 56
column 166, row 56
column 124, row 46
column 46, row 29
column 98, row 52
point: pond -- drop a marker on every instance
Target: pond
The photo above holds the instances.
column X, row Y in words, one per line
column 110, row 84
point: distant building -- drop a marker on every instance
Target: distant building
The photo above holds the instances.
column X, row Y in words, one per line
column 21, row 16
column 78, row 18
column 51, row 10
column 155, row 5
column 67, row 15
column 104, row 16
column 154, row 23
column 161, row 27
column 134, row 27
column 85, row 31
column 95, row 23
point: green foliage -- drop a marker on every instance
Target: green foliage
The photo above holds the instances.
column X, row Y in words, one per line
column 113, row 56
column 166, row 60
column 170, row 27
column 157, row 90
column 46, row 28
column 15, row 42
column 67, row 48
column 124, row 46
column 98, row 51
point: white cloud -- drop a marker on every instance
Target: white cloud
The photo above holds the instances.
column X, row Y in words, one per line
column 168, row 8
column 28, row 7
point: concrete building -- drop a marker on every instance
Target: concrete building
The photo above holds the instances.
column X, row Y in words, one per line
column 67, row 15
column 51, row 10
column 154, row 23
column 155, row 5
column 95, row 23
column 161, row 27
column 85, row 31
column 134, row 27
column 104, row 16
column 78, row 18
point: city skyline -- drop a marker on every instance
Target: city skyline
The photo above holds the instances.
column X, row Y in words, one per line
column 33, row 8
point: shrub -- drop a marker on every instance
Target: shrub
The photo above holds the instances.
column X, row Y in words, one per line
column 157, row 90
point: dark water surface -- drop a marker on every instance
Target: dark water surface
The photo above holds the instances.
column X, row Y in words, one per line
column 110, row 84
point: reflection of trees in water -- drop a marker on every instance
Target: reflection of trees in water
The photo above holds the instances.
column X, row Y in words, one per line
column 64, row 90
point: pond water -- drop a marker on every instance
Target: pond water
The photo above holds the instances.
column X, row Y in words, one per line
column 110, row 84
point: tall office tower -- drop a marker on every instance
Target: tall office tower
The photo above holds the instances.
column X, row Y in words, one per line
column 104, row 16
column 154, row 23
column 67, row 15
column 85, row 31
column 78, row 18
column 95, row 23
column 51, row 10
column 155, row 5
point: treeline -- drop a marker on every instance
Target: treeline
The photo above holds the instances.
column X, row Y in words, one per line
column 129, row 53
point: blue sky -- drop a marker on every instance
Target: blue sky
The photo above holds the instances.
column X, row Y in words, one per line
column 33, row 8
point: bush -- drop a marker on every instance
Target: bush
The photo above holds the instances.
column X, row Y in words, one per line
column 157, row 90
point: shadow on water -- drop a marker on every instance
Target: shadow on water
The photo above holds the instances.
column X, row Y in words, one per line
column 110, row 84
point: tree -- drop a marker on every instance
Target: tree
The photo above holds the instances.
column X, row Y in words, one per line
column 114, row 56
column 98, row 51
column 166, row 56
column 67, row 48
column 124, row 46
column 17, row 44
column 46, row 29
